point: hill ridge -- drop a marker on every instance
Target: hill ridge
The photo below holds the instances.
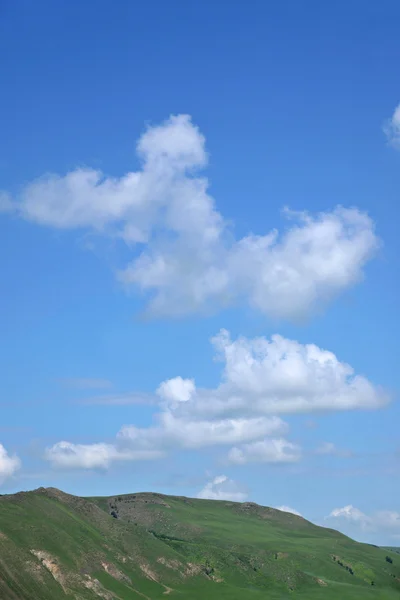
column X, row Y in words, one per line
column 55, row 546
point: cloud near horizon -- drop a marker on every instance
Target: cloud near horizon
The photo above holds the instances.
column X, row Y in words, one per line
column 222, row 488
column 185, row 258
column 261, row 380
column 9, row 464
column 352, row 519
column 289, row 510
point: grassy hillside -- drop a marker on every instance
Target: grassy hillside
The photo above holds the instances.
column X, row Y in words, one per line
column 56, row 546
column 393, row 549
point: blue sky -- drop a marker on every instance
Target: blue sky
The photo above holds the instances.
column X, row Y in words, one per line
column 174, row 171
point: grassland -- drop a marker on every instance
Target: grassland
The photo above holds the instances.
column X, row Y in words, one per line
column 56, row 546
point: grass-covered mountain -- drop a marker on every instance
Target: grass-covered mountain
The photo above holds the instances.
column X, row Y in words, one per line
column 149, row 546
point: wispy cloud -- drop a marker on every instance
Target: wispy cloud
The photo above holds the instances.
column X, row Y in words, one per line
column 123, row 399
column 392, row 128
column 330, row 449
column 15, row 429
column 265, row 451
column 86, row 383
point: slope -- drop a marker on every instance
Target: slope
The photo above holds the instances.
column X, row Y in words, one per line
column 57, row 546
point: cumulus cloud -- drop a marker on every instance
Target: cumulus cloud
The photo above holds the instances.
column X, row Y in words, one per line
column 392, row 128
column 353, row 520
column 265, row 451
column 329, row 449
column 350, row 513
column 184, row 255
column 261, row 379
column 176, row 390
column 289, row 510
column 9, row 464
column 65, row 455
column 222, row 488
column 280, row 376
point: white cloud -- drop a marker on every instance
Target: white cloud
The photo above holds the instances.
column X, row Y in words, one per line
column 176, row 390
column 329, row 449
column 289, row 510
column 383, row 522
column 265, row 451
column 65, row 455
column 392, row 127
column 279, row 375
column 222, row 488
column 350, row 513
column 261, row 379
column 184, row 255
column 192, row 433
column 136, row 443
column 8, row 464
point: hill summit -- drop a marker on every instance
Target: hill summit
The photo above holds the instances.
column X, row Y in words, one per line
column 56, row 546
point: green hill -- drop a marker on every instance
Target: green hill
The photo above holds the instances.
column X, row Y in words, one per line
column 149, row 546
